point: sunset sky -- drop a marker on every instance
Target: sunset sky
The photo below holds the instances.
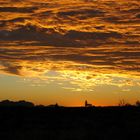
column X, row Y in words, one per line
column 69, row 51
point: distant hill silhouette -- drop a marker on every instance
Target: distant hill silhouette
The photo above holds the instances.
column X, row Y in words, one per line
column 8, row 103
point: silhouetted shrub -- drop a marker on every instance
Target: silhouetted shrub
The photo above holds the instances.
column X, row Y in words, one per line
column 137, row 103
column 124, row 103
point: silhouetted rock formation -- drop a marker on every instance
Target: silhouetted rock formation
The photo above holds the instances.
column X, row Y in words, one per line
column 7, row 103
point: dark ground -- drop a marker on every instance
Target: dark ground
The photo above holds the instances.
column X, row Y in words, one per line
column 115, row 123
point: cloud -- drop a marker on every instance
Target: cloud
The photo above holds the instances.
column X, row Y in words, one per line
column 18, row 9
column 86, row 13
column 97, row 37
column 9, row 68
column 45, row 36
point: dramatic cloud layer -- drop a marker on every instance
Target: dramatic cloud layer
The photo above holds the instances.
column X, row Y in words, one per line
column 93, row 41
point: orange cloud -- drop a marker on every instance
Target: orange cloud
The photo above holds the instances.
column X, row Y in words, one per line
column 85, row 42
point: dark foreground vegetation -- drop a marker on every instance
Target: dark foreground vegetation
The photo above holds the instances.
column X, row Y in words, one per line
column 61, row 123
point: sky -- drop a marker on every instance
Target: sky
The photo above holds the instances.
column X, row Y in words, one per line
column 69, row 51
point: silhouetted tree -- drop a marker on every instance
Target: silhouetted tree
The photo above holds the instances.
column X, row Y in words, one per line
column 54, row 105
column 137, row 103
column 8, row 103
column 124, row 103
column 25, row 104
